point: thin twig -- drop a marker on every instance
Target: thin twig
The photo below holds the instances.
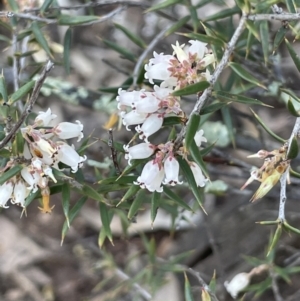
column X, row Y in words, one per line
column 275, row 288
column 207, row 93
column 284, row 177
column 27, row 16
column 93, row 5
column 145, row 53
column 113, row 152
column 30, row 104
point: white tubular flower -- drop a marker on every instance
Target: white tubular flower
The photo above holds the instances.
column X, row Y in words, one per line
column 44, row 118
column 20, row 193
column 151, row 177
column 68, row 155
column 127, row 98
column 171, row 167
column 238, row 283
column 181, row 55
column 207, row 60
column 148, row 103
column 45, row 146
column 139, row 151
column 132, row 118
column 31, row 177
column 161, row 92
column 158, row 67
column 198, row 175
column 199, row 138
column 6, row 191
column 151, row 125
column 198, row 48
column 68, row 130
column 48, row 172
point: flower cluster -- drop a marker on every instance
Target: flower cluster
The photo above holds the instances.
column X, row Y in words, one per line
column 146, row 110
column 41, row 154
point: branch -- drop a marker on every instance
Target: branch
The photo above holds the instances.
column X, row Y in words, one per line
column 271, row 17
column 284, row 177
column 207, row 93
column 30, row 104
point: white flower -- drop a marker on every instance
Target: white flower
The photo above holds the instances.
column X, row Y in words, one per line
column 31, row 177
column 198, row 175
column 68, row 155
column 20, row 193
column 158, row 69
column 237, row 284
column 151, row 177
column 44, row 118
column 6, row 191
column 198, row 48
column 207, row 60
column 181, row 55
column 45, row 146
column 132, row 118
column 171, row 167
column 48, row 172
column 148, row 103
column 151, row 125
column 127, row 98
column 68, row 130
column 199, row 138
column 139, row 151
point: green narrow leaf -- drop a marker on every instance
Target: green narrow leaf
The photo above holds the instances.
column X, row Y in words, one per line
column 13, row 5
column 196, row 155
column 174, row 27
column 223, row 14
column 24, row 90
column 275, row 238
column 5, row 153
column 10, row 173
column 194, row 17
column 204, row 38
column 293, row 54
column 287, row 226
column 239, row 70
column 213, row 284
column 290, row 93
column 155, row 200
column 72, row 20
column 292, row 109
column 106, row 219
column 176, row 198
column 132, row 37
column 162, row 5
column 213, row 108
column 225, row 96
column 136, row 204
column 132, row 191
column 264, row 35
column 39, row 36
column 293, row 151
column 19, row 140
column 45, row 6
column 291, row 6
column 279, row 37
column 73, row 213
column 228, row 122
column 172, row 120
column 91, row 193
column 188, row 296
column 67, row 48
column 266, row 128
column 123, row 51
column 65, row 194
column 192, row 89
column 253, row 29
column 3, row 89
column 185, row 168
column 191, row 129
